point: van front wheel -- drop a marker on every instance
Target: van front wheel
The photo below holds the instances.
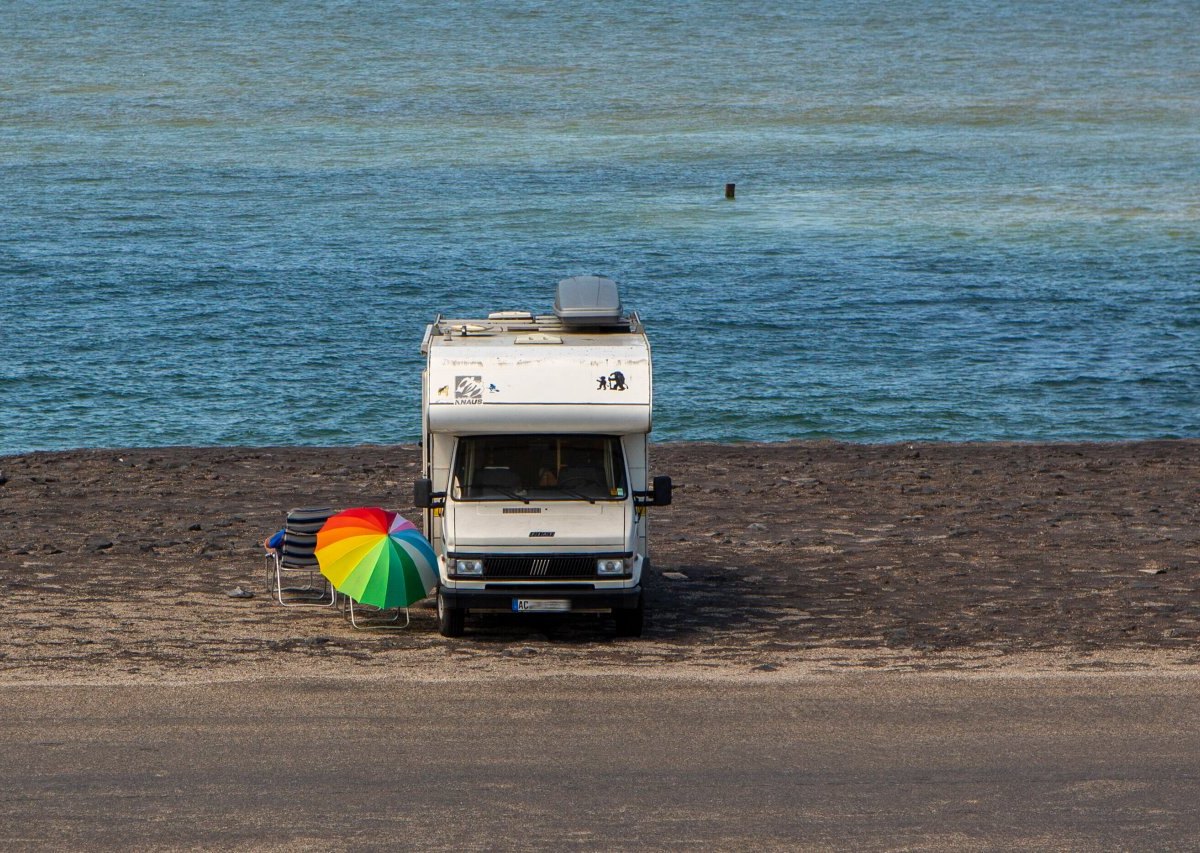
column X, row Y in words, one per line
column 451, row 620
column 630, row 622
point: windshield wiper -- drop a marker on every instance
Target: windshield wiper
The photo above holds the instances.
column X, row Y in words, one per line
column 577, row 494
column 510, row 493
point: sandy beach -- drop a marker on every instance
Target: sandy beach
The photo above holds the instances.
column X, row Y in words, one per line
column 776, row 561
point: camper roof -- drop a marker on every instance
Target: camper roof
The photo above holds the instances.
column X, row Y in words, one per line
column 584, row 368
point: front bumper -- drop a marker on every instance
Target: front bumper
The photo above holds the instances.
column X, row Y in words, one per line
column 500, row 597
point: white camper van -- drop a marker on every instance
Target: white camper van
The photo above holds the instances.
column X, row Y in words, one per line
column 535, row 485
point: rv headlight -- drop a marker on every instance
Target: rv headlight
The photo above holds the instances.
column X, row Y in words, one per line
column 468, row 567
column 609, row 566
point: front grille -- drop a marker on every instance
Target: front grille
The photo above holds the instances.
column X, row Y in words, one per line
column 539, row 567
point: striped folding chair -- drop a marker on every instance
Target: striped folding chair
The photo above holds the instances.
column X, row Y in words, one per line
column 292, row 571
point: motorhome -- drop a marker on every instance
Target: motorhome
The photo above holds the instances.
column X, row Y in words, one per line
column 535, row 479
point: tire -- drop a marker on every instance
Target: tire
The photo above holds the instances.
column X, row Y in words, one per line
column 451, row 620
column 630, row 622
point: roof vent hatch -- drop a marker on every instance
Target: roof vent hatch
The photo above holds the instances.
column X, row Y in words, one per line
column 588, row 300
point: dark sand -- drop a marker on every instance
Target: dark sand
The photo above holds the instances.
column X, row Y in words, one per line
column 798, row 559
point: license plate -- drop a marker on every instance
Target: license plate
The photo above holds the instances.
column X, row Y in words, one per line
column 541, row 605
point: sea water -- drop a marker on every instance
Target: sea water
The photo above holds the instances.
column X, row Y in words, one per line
column 229, row 222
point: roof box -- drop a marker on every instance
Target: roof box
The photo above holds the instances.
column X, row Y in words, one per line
column 588, row 300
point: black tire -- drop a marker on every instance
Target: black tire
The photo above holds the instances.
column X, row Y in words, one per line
column 451, row 620
column 630, row 622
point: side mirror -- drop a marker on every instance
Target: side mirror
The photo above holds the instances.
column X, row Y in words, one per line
column 662, row 491
column 423, row 493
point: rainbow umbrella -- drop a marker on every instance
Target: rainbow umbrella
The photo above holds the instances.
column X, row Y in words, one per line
column 376, row 557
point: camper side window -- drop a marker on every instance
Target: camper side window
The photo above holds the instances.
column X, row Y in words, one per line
column 540, row 467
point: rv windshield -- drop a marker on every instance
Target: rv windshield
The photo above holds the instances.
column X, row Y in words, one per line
column 539, row 467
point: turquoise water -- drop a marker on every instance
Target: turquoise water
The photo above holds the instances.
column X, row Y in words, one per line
column 228, row 222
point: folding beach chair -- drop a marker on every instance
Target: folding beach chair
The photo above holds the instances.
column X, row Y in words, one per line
column 373, row 617
column 296, row 563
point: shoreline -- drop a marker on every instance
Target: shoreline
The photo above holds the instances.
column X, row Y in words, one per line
column 676, row 443
column 799, row 559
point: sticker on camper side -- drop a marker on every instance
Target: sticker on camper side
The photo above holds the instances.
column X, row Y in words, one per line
column 468, row 390
column 614, row 381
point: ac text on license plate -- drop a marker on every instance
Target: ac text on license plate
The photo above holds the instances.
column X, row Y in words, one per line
column 541, row 605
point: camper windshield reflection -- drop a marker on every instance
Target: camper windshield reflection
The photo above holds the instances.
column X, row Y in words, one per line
column 539, row 467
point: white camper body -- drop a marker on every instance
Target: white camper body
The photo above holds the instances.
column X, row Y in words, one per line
column 535, row 488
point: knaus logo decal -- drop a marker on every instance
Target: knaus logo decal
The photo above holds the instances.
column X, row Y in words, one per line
column 468, row 390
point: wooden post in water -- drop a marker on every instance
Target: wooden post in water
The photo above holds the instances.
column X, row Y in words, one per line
column 730, row 190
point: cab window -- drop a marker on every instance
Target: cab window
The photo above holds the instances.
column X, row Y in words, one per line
column 539, row 467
